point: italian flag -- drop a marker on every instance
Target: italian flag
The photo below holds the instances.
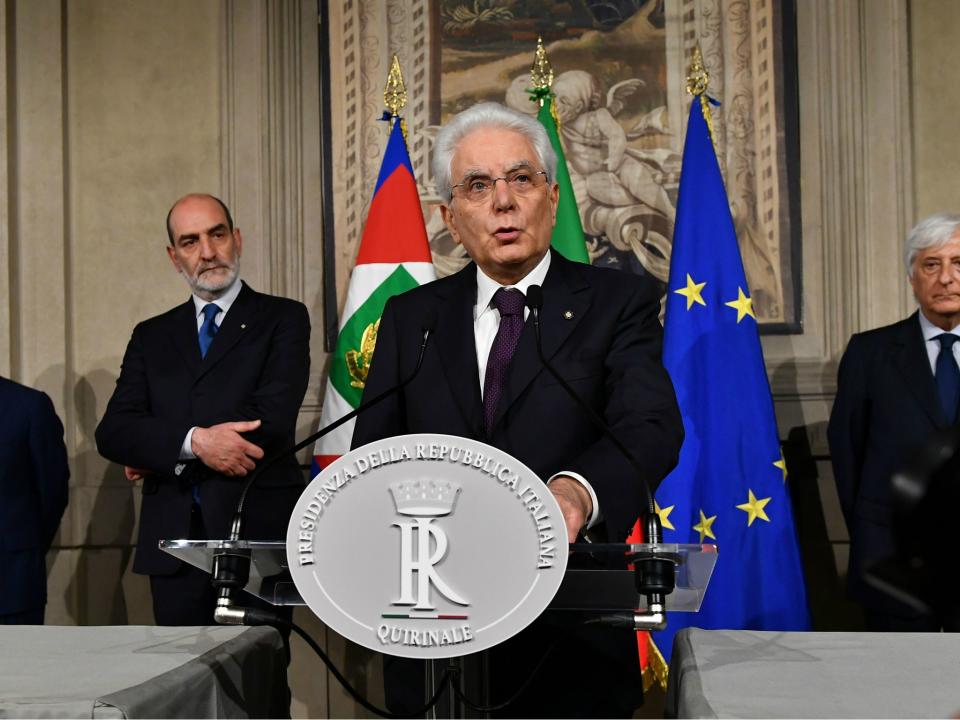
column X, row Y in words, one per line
column 394, row 256
column 567, row 238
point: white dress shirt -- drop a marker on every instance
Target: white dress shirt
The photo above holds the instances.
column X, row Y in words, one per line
column 223, row 302
column 486, row 323
column 930, row 332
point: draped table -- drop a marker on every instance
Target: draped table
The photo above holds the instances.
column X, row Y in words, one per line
column 139, row 671
column 744, row 674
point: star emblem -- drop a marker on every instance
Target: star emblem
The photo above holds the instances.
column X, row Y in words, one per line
column 692, row 292
column 782, row 464
column 664, row 513
column 704, row 527
column 743, row 305
column 754, row 508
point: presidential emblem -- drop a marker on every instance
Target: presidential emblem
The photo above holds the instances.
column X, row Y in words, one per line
column 427, row 546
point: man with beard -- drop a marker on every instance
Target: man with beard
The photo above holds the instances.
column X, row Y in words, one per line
column 206, row 391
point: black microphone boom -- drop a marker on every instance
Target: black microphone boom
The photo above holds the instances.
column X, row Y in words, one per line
column 655, row 571
column 231, row 568
column 427, row 326
column 535, row 303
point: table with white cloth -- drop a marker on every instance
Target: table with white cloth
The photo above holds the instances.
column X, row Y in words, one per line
column 138, row 671
column 746, row 674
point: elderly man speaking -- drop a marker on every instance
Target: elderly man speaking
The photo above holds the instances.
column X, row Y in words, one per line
column 482, row 379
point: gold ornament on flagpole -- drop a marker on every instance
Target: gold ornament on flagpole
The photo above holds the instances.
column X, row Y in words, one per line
column 395, row 92
column 697, row 76
column 541, row 76
column 541, row 72
column 698, row 79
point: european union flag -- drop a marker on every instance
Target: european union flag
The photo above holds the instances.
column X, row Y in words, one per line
column 730, row 487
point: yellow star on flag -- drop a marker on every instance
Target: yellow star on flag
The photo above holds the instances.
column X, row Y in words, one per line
column 743, row 305
column 692, row 292
column 703, row 527
column 782, row 464
column 754, row 508
column 664, row 514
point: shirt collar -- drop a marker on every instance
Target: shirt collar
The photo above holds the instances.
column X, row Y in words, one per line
column 224, row 301
column 486, row 287
column 930, row 331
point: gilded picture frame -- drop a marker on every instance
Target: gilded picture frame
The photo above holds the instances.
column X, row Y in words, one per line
column 620, row 74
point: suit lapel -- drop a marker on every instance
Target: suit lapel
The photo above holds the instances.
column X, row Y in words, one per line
column 566, row 298
column 913, row 363
column 241, row 320
column 457, row 346
column 184, row 336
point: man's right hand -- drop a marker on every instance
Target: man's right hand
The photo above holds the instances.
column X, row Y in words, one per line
column 221, row 447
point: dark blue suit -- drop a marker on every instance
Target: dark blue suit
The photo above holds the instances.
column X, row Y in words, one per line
column 601, row 332
column 257, row 367
column 885, row 410
column 33, row 495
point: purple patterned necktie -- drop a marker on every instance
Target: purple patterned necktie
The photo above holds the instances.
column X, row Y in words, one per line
column 510, row 304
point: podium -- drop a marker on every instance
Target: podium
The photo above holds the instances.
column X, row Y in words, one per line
column 439, row 548
column 587, row 587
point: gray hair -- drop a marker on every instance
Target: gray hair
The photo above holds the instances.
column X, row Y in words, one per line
column 932, row 232
column 487, row 115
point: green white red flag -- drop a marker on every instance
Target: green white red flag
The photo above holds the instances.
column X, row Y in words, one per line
column 394, row 256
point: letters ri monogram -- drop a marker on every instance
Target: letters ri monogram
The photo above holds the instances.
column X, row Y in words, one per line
column 423, row 501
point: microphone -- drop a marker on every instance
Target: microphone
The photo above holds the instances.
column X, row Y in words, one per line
column 655, row 571
column 231, row 566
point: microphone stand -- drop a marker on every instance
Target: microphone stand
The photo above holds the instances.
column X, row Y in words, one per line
column 231, row 565
column 655, row 569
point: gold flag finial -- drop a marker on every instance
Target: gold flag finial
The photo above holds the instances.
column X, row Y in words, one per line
column 541, row 73
column 697, row 81
column 697, row 76
column 395, row 92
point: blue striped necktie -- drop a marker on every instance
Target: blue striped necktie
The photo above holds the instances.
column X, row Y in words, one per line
column 209, row 327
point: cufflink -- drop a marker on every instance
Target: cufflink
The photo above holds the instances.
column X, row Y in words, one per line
column 178, row 468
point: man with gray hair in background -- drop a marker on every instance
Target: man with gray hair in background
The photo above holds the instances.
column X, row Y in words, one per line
column 482, row 378
column 897, row 386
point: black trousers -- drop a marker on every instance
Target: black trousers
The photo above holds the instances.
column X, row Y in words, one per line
column 33, row 616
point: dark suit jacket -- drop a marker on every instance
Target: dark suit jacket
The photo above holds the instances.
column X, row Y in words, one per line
column 609, row 351
column 256, row 368
column 33, row 493
column 886, row 409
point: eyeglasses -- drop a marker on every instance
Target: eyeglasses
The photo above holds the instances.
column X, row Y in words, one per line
column 477, row 188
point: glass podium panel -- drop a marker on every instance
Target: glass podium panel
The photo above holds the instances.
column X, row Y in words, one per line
column 596, row 578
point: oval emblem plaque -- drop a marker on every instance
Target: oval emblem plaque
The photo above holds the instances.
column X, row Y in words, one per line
column 427, row 546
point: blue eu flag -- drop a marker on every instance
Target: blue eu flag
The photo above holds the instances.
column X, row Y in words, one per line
column 730, row 487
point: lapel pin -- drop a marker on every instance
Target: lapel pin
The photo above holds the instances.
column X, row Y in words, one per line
column 568, row 314
column 243, row 326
